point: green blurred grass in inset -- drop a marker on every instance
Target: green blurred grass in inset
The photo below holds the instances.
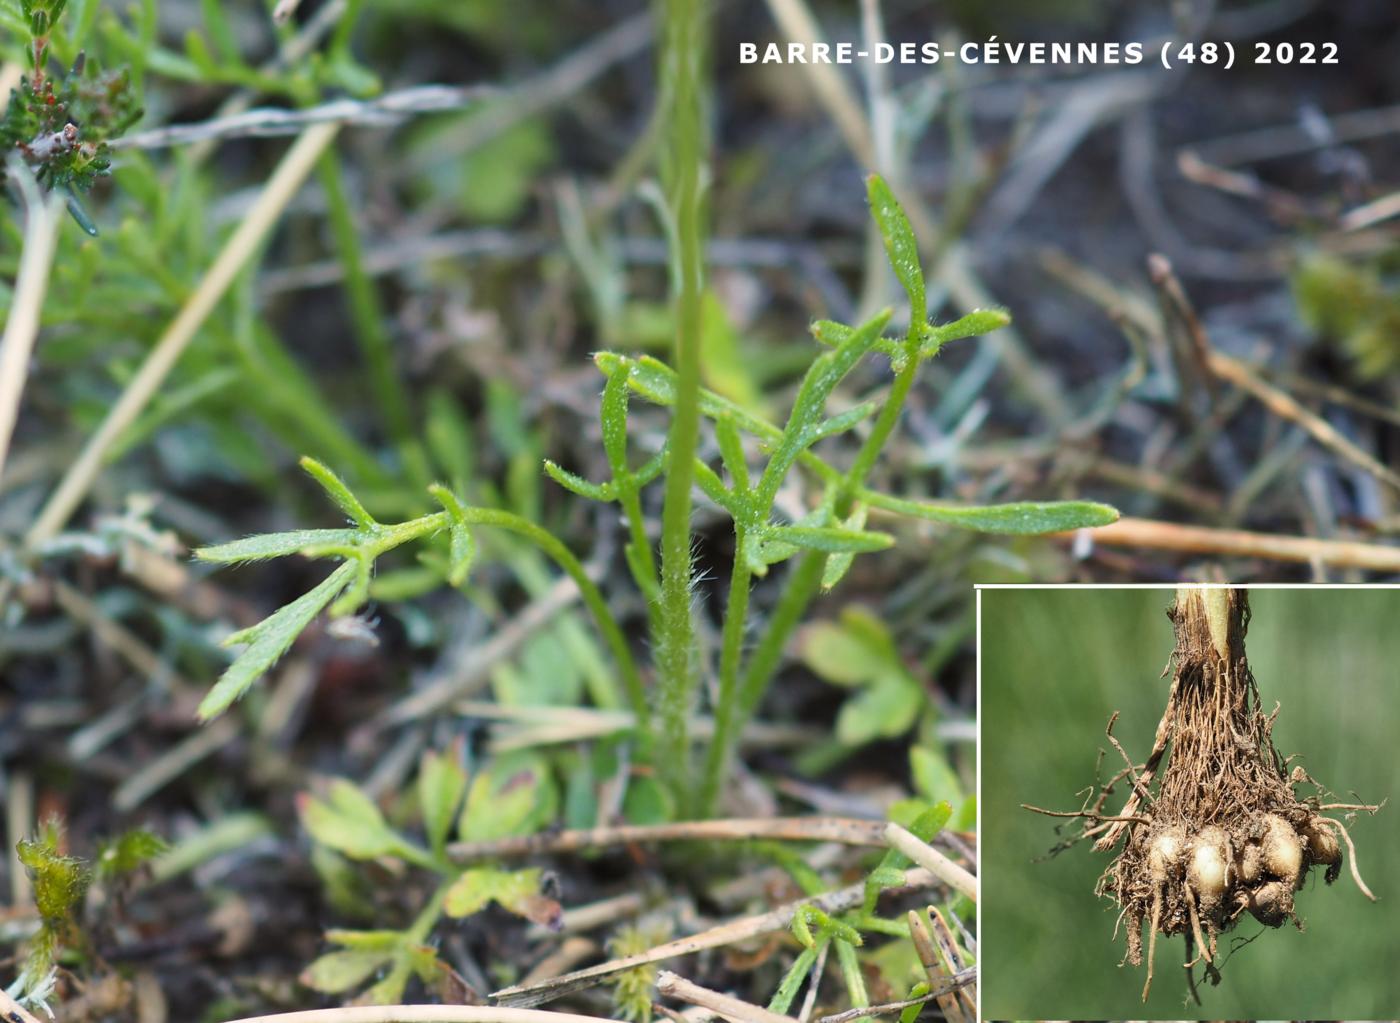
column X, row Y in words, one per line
column 1055, row 666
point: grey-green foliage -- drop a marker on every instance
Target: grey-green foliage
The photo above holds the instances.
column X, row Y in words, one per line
column 240, row 398
column 756, row 456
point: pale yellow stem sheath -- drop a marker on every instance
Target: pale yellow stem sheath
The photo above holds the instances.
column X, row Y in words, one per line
column 932, row 860
column 1216, row 602
column 240, row 247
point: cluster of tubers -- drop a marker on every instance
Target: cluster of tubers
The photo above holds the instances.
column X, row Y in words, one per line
column 1218, row 833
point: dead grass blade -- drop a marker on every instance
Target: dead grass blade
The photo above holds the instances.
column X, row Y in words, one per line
column 779, row 919
column 843, row 830
column 1239, row 543
column 736, row 1009
column 931, row 860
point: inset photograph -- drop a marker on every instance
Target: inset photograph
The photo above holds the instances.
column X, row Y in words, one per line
column 1186, row 803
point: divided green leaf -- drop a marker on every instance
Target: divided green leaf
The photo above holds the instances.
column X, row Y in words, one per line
column 349, row 822
column 513, row 796
column 441, row 784
column 276, row 545
column 518, row 891
column 269, row 640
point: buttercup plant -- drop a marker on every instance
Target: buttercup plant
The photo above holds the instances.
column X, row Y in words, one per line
column 826, row 539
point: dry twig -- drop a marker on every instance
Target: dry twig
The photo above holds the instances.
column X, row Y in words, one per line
column 269, row 122
column 22, row 325
column 847, row 831
column 731, row 1008
column 1239, row 543
column 421, row 1014
column 966, row 976
column 932, row 860
column 779, row 919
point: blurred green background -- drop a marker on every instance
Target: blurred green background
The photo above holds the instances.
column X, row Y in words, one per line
column 1055, row 665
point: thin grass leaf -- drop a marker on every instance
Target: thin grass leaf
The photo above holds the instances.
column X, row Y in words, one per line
column 850, row 973
column 275, row 545
column 792, row 980
column 337, row 491
column 900, row 245
column 1023, row 518
column 269, row 640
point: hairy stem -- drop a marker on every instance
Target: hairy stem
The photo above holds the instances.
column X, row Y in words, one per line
column 592, row 597
column 681, row 59
column 800, row 587
column 728, row 713
column 390, row 537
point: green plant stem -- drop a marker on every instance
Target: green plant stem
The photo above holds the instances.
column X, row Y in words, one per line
column 592, row 597
column 419, row 930
column 646, row 575
column 879, row 434
column 850, row 973
column 389, row 537
column 727, row 711
column 799, row 588
column 644, row 570
column 675, row 645
column 367, row 319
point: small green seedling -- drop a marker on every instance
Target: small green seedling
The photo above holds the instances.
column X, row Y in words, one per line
column 512, row 796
